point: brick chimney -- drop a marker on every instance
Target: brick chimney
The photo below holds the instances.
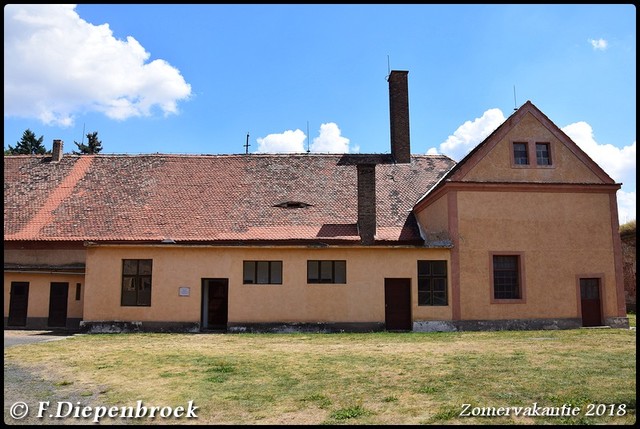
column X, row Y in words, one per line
column 56, row 153
column 367, row 202
column 399, row 112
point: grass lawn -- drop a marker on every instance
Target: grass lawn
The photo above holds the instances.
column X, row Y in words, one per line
column 377, row 378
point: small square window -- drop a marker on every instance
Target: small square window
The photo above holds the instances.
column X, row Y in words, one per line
column 520, row 154
column 543, row 154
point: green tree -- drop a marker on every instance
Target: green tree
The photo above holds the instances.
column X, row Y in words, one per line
column 28, row 145
column 92, row 147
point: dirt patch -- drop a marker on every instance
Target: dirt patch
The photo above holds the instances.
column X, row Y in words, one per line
column 30, row 388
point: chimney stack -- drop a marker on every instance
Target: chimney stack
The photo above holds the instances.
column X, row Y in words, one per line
column 399, row 112
column 56, row 153
column 367, row 202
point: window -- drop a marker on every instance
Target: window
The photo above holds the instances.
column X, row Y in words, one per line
column 136, row 282
column 262, row 272
column 520, row 154
column 326, row 271
column 432, row 282
column 543, row 154
column 78, row 289
column 506, row 277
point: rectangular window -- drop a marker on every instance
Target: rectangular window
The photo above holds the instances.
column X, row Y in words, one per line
column 520, row 154
column 543, row 154
column 136, row 282
column 506, row 277
column 432, row 283
column 78, row 289
column 326, row 271
column 262, row 272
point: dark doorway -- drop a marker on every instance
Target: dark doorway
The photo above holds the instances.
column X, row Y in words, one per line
column 215, row 304
column 590, row 302
column 397, row 304
column 18, row 303
column 58, row 305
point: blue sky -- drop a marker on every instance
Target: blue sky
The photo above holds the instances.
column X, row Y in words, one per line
column 197, row 78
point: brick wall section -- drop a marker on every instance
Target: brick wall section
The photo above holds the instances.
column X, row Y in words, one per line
column 399, row 112
column 367, row 202
column 629, row 268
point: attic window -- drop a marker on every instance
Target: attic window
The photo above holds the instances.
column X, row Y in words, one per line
column 293, row 205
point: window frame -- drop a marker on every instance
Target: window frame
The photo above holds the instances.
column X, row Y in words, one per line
column 514, row 160
column 532, row 153
column 549, row 156
column 137, row 283
column 520, row 274
column 319, row 279
column 255, row 272
column 430, row 278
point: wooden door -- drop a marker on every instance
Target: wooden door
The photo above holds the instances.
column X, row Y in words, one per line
column 397, row 304
column 58, row 305
column 18, row 303
column 215, row 308
column 590, row 302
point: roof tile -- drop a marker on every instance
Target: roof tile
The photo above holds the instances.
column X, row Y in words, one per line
column 208, row 198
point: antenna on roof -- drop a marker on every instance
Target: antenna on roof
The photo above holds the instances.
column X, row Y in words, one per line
column 246, row 145
column 515, row 105
column 82, row 141
column 388, row 69
column 308, row 143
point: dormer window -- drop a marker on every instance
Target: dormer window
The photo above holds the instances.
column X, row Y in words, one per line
column 293, row 205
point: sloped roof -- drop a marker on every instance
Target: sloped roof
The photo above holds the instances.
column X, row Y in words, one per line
column 209, row 198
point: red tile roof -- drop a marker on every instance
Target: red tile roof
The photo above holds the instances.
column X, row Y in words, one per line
column 209, row 198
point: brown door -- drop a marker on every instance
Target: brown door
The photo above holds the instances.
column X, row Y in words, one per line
column 215, row 303
column 18, row 303
column 397, row 304
column 58, row 305
column 590, row 302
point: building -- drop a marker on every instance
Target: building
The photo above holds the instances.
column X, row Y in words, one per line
column 520, row 234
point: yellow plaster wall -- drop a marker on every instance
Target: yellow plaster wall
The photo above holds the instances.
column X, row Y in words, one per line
column 434, row 218
column 496, row 165
column 39, row 290
column 361, row 299
column 561, row 235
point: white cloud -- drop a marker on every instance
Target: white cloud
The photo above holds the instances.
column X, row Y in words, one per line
column 329, row 140
column 626, row 206
column 598, row 45
column 619, row 163
column 469, row 135
column 287, row 142
column 58, row 65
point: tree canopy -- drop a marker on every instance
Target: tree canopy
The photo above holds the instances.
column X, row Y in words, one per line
column 28, row 145
column 92, row 147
